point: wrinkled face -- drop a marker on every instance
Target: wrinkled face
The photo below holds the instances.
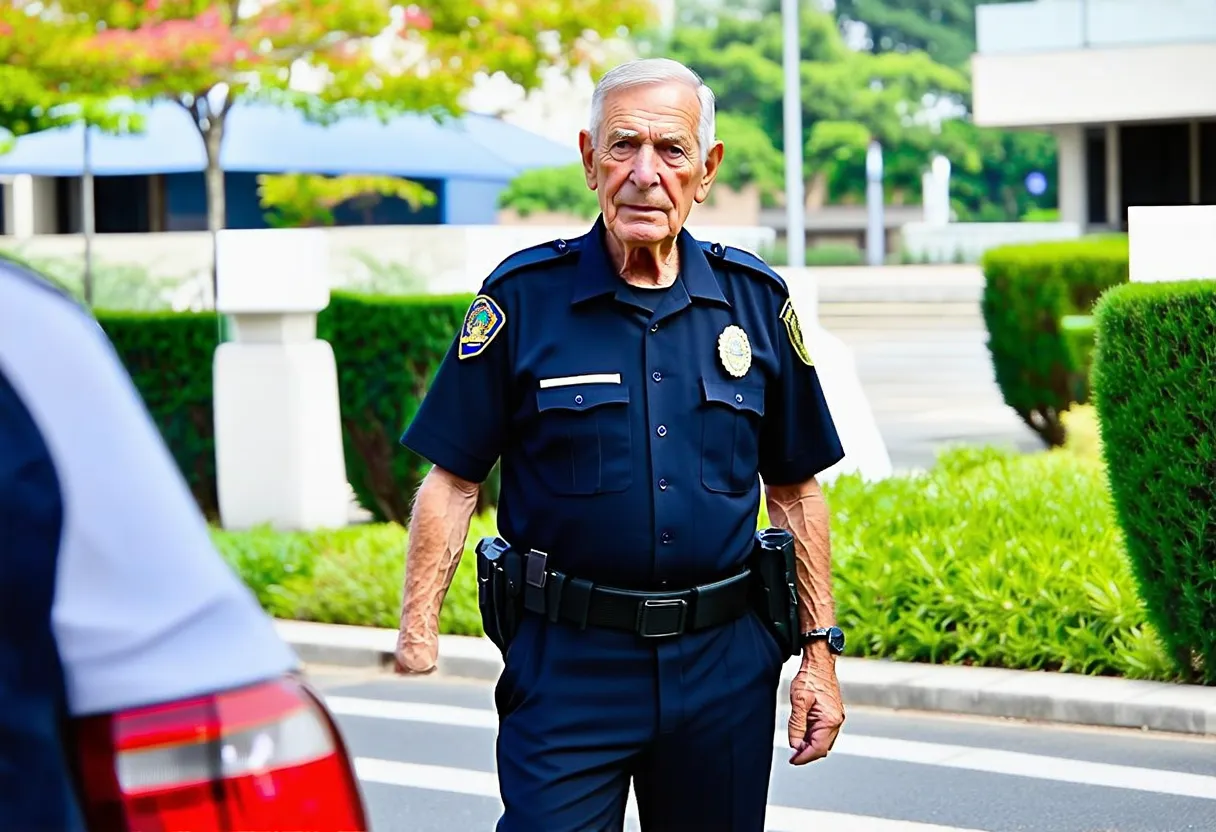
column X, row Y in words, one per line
column 646, row 166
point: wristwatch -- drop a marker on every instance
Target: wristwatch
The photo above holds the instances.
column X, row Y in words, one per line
column 834, row 636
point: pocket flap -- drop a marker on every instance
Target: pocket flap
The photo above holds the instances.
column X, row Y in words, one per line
column 748, row 397
column 581, row 396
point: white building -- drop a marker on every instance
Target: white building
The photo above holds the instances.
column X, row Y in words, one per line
column 1127, row 86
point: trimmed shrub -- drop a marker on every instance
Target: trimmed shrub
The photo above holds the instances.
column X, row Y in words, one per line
column 169, row 357
column 388, row 349
column 1029, row 290
column 1155, row 390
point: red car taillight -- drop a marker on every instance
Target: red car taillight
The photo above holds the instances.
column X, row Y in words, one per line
column 266, row 757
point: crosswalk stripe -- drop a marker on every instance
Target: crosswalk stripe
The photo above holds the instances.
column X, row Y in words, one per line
column 485, row 784
column 992, row 761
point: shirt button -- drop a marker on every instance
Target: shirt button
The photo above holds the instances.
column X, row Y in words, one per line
column 663, row 485
column 578, row 399
column 739, row 398
column 654, row 328
column 665, row 537
column 656, row 375
column 662, row 431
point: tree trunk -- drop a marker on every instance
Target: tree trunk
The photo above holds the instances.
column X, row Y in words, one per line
column 213, row 139
column 817, row 191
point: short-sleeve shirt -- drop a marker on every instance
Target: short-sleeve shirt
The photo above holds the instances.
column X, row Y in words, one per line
column 632, row 426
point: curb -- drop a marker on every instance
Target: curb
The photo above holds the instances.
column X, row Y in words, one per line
column 1037, row 696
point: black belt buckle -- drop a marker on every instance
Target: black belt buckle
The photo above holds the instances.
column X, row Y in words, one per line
column 661, row 618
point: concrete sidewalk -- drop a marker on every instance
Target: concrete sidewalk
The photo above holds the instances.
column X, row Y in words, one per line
column 1013, row 694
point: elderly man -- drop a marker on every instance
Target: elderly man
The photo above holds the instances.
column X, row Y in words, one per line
column 637, row 386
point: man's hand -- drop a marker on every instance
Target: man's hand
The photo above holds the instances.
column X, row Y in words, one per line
column 416, row 652
column 816, row 711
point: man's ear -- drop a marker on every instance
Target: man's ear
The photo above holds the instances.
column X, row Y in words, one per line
column 586, row 149
column 713, row 163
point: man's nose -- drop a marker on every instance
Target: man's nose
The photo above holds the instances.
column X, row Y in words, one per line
column 645, row 172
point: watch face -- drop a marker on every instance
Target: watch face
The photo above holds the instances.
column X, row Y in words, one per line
column 836, row 640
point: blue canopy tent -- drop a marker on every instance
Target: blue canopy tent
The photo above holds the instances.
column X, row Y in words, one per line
column 473, row 157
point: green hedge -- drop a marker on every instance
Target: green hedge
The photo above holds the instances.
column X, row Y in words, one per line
column 989, row 559
column 1028, row 291
column 169, row 357
column 387, row 351
column 1155, row 390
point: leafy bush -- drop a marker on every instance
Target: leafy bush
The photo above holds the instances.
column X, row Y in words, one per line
column 1028, row 291
column 562, row 189
column 346, row 576
column 169, row 357
column 1155, row 388
column 387, row 350
column 988, row 559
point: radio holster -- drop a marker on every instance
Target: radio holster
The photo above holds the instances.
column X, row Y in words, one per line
column 775, row 587
column 499, row 590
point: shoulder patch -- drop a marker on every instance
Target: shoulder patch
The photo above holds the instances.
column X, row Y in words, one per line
column 532, row 256
column 743, row 259
column 484, row 320
column 794, row 330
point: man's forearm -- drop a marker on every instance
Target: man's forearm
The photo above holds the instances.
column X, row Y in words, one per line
column 439, row 526
column 802, row 511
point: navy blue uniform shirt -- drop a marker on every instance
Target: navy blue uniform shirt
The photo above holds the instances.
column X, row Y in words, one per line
column 631, row 424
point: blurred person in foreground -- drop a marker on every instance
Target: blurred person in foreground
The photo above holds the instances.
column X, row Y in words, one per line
column 111, row 593
column 637, row 385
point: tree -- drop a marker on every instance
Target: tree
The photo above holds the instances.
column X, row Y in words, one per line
column 29, row 101
column 848, row 97
column 355, row 54
column 944, row 29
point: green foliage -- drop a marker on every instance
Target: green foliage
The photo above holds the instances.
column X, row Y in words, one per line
column 1028, row 291
column 943, row 28
column 750, row 157
column 990, row 559
column 387, row 351
column 562, row 189
column 295, row 200
column 346, row 576
column 1155, row 389
column 125, row 286
column 169, row 358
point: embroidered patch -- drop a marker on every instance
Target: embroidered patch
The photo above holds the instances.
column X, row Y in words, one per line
column 792, row 328
column 735, row 351
column 482, row 322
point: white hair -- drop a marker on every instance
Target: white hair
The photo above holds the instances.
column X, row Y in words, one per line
column 655, row 71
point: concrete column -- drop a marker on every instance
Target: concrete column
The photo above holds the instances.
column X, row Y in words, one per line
column 279, row 456
column 1071, row 174
column 19, row 209
column 1114, row 178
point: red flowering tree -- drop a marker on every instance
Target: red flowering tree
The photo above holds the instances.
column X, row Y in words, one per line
column 357, row 54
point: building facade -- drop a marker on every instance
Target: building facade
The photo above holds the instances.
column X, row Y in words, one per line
column 1127, row 86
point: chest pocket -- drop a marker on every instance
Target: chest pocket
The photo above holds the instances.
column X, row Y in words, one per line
column 730, row 435
column 582, row 444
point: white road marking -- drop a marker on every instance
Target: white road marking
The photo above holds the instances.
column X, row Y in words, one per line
column 992, row 761
column 485, row 784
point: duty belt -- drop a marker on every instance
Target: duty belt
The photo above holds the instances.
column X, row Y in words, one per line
column 660, row 614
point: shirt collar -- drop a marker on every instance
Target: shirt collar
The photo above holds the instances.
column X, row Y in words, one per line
column 597, row 277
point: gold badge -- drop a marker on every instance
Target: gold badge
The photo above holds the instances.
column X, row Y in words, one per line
column 794, row 331
column 735, row 351
column 482, row 322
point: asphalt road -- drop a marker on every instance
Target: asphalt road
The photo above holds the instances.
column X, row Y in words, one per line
column 424, row 750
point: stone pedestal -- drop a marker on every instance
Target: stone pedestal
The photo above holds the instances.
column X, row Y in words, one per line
column 1172, row 242
column 278, row 435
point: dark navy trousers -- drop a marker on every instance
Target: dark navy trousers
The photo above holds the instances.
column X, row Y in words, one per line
column 690, row 720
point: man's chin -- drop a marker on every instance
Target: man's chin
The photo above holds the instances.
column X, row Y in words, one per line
column 641, row 232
